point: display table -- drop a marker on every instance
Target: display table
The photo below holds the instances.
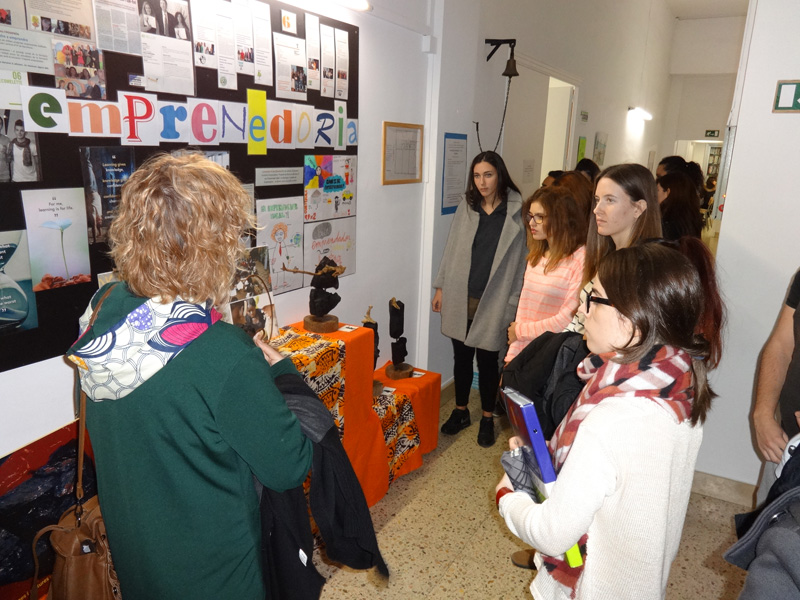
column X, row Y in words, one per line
column 338, row 367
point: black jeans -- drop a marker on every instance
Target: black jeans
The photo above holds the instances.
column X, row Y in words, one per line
column 488, row 374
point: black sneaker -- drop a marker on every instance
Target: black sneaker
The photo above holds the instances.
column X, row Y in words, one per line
column 459, row 419
column 486, row 432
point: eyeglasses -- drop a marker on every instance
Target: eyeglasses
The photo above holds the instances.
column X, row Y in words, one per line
column 537, row 218
column 596, row 300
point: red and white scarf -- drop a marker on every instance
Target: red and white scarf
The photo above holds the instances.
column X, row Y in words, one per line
column 664, row 375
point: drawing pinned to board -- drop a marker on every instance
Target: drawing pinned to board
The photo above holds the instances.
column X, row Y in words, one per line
column 335, row 239
column 329, row 187
column 58, row 246
column 17, row 300
column 280, row 228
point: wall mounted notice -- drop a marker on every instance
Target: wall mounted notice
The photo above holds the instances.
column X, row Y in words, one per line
column 454, row 171
column 279, row 176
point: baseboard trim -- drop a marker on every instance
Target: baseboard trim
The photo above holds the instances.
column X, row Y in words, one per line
column 725, row 489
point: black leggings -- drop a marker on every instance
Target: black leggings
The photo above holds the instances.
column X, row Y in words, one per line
column 488, row 374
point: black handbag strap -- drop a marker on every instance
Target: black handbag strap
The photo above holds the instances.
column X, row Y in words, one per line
column 79, row 486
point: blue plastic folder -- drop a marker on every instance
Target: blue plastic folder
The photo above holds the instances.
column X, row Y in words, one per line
column 522, row 414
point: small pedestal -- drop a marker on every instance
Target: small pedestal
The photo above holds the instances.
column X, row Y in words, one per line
column 326, row 324
column 377, row 388
column 400, row 371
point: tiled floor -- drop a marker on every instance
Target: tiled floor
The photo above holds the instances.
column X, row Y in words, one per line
column 443, row 539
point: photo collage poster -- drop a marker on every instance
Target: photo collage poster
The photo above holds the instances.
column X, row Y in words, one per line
column 251, row 306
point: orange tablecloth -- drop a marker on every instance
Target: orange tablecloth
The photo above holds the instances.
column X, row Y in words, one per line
column 425, row 393
column 363, row 437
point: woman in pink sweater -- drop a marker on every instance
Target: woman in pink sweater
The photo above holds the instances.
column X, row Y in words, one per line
column 557, row 227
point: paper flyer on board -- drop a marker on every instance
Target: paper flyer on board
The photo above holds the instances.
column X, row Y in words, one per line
column 205, row 34
column 342, row 63
column 12, row 13
column 327, row 61
column 280, row 222
column 335, row 239
column 70, row 18
column 243, row 25
column 79, row 69
column 262, row 42
column 312, row 51
column 166, row 47
column 105, row 169
column 226, row 46
column 290, row 67
column 58, row 246
column 25, row 51
column 118, row 25
column 10, row 82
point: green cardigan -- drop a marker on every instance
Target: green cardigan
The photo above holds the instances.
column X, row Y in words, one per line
column 175, row 463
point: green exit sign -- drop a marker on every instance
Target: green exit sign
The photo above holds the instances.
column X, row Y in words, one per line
column 787, row 96
column 712, row 133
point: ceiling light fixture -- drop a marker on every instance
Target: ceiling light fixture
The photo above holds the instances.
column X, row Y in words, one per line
column 640, row 113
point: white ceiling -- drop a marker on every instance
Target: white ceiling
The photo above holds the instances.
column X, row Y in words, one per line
column 707, row 9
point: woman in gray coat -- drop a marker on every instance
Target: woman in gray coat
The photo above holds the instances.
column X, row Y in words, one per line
column 478, row 285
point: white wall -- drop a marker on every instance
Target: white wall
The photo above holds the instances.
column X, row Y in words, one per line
column 555, row 130
column 758, row 248
column 704, row 103
column 36, row 400
column 707, row 46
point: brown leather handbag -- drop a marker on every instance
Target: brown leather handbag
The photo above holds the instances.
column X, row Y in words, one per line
column 83, row 569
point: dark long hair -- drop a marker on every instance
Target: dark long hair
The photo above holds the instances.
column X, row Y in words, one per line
column 504, row 182
column 678, row 164
column 680, row 211
column 661, row 291
column 638, row 183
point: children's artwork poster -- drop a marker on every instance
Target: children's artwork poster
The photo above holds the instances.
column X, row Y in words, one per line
column 329, row 184
column 280, row 228
column 36, row 488
column 22, row 149
column 58, row 245
column 335, row 239
column 17, row 299
column 79, row 69
column 105, row 169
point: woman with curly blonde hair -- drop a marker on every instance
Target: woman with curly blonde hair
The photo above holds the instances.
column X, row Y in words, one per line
column 183, row 408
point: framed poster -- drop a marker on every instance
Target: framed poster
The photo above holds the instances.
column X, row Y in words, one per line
column 401, row 155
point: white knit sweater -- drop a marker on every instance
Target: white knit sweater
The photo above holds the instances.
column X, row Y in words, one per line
column 626, row 482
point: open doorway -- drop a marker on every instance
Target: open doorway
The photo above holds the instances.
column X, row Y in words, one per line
column 539, row 119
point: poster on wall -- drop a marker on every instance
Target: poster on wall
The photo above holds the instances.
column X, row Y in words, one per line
column 118, row 25
column 105, row 169
column 599, row 155
column 166, row 47
column 12, row 13
column 327, row 60
column 312, row 51
column 251, row 306
column 243, row 24
column 454, row 171
column 10, row 82
column 291, row 80
column 71, row 18
column 22, row 149
column 329, row 187
column 58, row 246
column 79, row 69
column 280, row 228
column 262, row 42
column 205, row 34
column 334, row 239
column 342, row 63
column 25, row 51
column 17, row 299
column 226, row 46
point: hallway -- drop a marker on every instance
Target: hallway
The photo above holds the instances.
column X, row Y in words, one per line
column 443, row 539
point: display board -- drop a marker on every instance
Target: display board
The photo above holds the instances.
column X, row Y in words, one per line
column 265, row 89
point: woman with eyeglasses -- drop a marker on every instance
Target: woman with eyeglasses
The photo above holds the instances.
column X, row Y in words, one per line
column 626, row 451
column 557, row 227
column 478, row 286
